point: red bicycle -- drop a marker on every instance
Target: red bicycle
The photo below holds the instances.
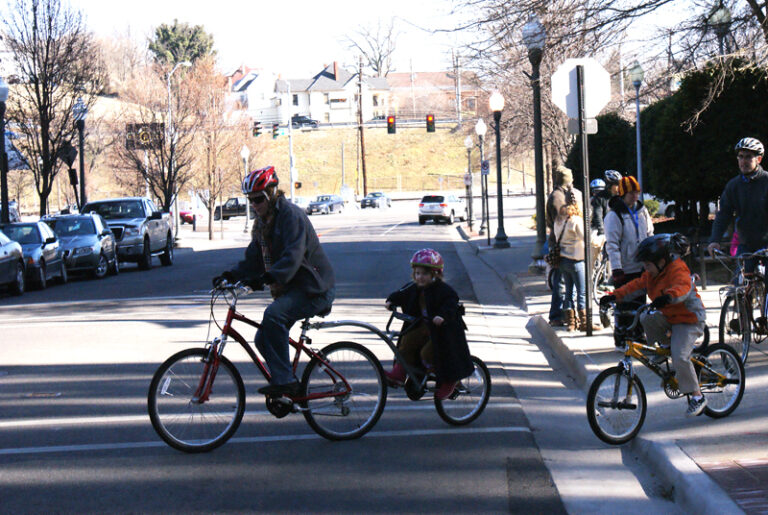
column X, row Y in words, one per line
column 196, row 399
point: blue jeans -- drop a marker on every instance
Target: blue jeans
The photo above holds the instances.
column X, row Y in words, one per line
column 279, row 317
column 556, row 304
column 573, row 275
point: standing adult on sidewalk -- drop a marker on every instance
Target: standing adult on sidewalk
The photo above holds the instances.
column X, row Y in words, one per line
column 556, row 201
column 745, row 197
column 627, row 224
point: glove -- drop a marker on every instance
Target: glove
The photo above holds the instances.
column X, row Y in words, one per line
column 618, row 277
column 661, row 301
column 605, row 300
column 226, row 276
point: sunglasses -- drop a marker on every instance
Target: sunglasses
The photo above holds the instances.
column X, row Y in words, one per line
column 257, row 200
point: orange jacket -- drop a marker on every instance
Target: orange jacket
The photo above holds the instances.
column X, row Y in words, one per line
column 686, row 306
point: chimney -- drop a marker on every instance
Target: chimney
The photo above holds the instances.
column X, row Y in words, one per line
column 335, row 70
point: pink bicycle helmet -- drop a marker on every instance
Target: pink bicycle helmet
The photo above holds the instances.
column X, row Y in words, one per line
column 428, row 258
column 259, row 180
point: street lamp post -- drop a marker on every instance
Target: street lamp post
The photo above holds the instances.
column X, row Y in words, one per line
column 244, row 153
column 5, row 216
column 535, row 37
column 720, row 19
column 468, row 143
column 480, row 129
column 496, row 103
column 636, row 75
column 171, row 147
column 80, row 111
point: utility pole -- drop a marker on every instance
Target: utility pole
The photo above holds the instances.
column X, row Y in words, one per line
column 360, row 124
column 292, row 169
column 457, row 82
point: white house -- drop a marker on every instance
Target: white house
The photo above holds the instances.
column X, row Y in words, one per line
column 328, row 97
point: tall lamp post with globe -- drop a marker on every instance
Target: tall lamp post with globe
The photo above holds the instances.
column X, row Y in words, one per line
column 535, row 37
column 468, row 143
column 5, row 212
column 496, row 103
column 480, row 129
column 80, row 111
column 720, row 19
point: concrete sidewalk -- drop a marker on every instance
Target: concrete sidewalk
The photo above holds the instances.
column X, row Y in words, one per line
column 705, row 465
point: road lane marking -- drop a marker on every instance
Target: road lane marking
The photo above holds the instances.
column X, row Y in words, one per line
column 127, row 419
column 262, row 439
column 391, row 228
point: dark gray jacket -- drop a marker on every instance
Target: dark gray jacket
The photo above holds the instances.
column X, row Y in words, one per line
column 746, row 198
column 298, row 260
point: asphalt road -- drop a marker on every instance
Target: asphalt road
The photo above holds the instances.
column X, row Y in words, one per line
column 77, row 360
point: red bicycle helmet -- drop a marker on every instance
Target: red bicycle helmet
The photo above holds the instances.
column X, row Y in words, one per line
column 428, row 258
column 259, row 180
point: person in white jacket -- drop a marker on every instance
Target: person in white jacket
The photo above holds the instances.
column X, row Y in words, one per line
column 627, row 224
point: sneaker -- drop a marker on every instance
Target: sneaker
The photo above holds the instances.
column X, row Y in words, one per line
column 445, row 390
column 695, row 406
column 275, row 390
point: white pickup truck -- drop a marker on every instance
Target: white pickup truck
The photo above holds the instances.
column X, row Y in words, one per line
column 140, row 229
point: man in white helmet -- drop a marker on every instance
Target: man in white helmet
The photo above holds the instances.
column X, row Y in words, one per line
column 745, row 197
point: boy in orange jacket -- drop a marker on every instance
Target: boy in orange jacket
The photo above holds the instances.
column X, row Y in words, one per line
column 678, row 316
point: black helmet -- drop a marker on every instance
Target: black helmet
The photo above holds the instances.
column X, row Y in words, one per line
column 661, row 246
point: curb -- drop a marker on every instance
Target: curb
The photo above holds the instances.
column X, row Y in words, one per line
column 693, row 489
column 542, row 331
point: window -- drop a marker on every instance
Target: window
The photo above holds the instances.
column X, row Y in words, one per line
column 326, row 98
column 376, row 100
column 295, row 100
column 471, row 104
column 327, row 117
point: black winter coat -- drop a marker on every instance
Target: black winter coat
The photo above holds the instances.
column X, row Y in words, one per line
column 452, row 361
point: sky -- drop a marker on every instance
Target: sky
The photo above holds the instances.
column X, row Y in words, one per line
column 293, row 38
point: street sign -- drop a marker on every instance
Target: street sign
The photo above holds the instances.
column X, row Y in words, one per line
column 485, row 167
column 597, row 87
column 467, row 179
column 573, row 126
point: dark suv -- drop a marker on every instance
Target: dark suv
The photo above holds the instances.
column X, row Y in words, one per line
column 299, row 120
column 234, row 206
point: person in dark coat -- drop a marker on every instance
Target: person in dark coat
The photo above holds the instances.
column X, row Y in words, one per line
column 437, row 340
column 285, row 255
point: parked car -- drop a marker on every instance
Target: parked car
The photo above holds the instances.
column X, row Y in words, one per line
column 41, row 249
column 299, row 120
column 234, row 206
column 667, row 207
column 442, row 207
column 141, row 230
column 88, row 243
column 376, row 199
column 302, row 202
column 326, row 204
column 11, row 265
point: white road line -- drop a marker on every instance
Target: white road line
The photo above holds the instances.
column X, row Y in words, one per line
column 393, row 227
column 261, row 439
column 127, row 419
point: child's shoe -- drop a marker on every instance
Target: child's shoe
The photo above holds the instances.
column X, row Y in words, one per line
column 444, row 391
column 396, row 377
column 695, row 406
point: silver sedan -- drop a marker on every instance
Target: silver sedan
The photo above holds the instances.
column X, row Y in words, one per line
column 88, row 243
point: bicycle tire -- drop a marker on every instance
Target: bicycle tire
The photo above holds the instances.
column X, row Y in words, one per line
column 734, row 328
column 348, row 416
column 722, row 399
column 609, row 423
column 469, row 398
column 185, row 424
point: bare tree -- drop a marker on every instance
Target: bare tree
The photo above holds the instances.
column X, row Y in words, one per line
column 377, row 45
column 57, row 62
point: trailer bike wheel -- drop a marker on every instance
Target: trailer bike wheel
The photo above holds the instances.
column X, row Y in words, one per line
column 616, row 406
column 469, row 398
column 735, row 329
column 346, row 394
column 723, row 394
column 181, row 419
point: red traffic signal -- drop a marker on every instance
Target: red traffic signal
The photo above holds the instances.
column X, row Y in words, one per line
column 275, row 130
column 256, row 129
column 430, row 123
column 391, row 127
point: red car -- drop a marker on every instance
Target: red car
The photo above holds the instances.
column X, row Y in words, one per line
column 187, row 217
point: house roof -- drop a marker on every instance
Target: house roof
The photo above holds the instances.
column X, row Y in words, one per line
column 331, row 78
column 246, row 81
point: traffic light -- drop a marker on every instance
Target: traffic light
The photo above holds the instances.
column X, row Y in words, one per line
column 430, row 123
column 256, row 129
column 275, row 130
column 391, row 129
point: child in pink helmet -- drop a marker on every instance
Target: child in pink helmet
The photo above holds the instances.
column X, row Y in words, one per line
column 436, row 341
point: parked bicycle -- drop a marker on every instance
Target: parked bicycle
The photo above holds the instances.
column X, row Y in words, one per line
column 602, row 283
column 744, row 306
column 616, row 402
column 196, row 399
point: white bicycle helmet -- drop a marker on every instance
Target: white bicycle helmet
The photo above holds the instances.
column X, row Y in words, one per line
column 612, row 176
column 597, row 185
column 750, row 144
